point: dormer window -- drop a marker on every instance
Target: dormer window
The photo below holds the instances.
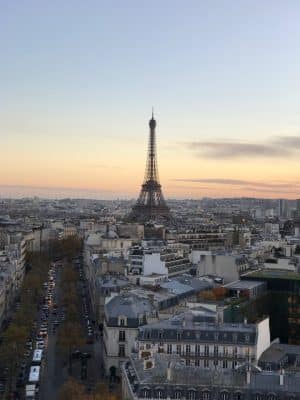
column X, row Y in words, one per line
column 247, row 338
column 122, row 321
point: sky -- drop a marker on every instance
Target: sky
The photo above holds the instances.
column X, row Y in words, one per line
column 78, row 80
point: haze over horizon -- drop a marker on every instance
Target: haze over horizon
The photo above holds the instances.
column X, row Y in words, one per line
column 79, row 80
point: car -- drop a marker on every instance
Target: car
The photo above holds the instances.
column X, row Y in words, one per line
column 40, row 344
column 76, row 354
column 26, row 353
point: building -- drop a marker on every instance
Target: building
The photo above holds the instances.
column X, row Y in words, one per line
column 206, row 344
column 123, row 316
column 161, row 259
column 248, row 289
column 282, row 302
column 224, row 264
column 280, row 356
column 162, row 376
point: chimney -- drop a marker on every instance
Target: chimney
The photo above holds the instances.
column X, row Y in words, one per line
column 281, row 377
column 169, row 371
column 248, row 376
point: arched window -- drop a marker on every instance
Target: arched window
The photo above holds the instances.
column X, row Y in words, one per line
column 159, row 394
column 238, row 396
column 271, row 396
column 224, row 396
column 146, row 394
column 206, row 395
column 191, row 395
column 177, row 394
column 258, row 396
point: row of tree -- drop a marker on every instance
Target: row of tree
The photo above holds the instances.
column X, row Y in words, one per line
column 70, row 335
column 72, row 390
column 21, row 327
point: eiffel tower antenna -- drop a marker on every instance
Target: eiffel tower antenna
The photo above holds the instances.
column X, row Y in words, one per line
column 151, row 202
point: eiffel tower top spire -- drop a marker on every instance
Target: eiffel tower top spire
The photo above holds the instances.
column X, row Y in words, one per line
column 151, row 203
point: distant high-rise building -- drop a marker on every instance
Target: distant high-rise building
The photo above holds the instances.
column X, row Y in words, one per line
column 282, row 208
column 298, row 207
column 151, row 203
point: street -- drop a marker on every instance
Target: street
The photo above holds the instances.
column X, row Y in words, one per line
column 56, row 368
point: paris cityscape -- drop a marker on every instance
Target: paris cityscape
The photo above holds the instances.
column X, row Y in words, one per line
column 150, row 200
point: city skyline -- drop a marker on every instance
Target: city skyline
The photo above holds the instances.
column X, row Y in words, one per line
column 78, row 84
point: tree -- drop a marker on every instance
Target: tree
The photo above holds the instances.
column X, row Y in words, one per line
column 71, row 390
column 70, row 337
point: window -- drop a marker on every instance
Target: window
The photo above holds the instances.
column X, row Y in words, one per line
column 121, row 350
column 188, row 349
column 169, row 349
column 247, row 338
column 177, row 394
column 159, row 394
column 206, row 395
column 234, row 364
column 235, row 351
column 225, row 351
column 206, row 363
column 178, row 336
column 206, row 350
column 225, row 364
column 258, row 396
column 216, row 351
column 197, row 363
column 160, row 335
column 191, row 395
column 197, row 349
column 224, row 396
column 187, row 362
column 122, row 321
column 271, row 396
column 215, row 363
column 178, row 349
column 238, row 396
column 146, row 394
column 121, row 336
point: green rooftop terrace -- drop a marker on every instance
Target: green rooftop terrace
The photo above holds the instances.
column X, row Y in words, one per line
column 273, row 274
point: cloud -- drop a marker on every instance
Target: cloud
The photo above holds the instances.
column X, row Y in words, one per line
column 278, row 190
column 289, row 141
column 277, row 147
column 233, row 149
column 239, row 182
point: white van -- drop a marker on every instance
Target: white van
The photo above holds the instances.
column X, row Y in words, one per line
column 34, row 374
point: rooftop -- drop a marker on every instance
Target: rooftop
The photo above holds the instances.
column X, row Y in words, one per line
column 243, row 284
column 273, row 274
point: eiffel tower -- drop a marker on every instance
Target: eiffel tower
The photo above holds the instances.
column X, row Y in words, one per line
column 151, row 204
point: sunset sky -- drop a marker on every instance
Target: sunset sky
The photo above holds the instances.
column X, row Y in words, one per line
column 78, row 80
